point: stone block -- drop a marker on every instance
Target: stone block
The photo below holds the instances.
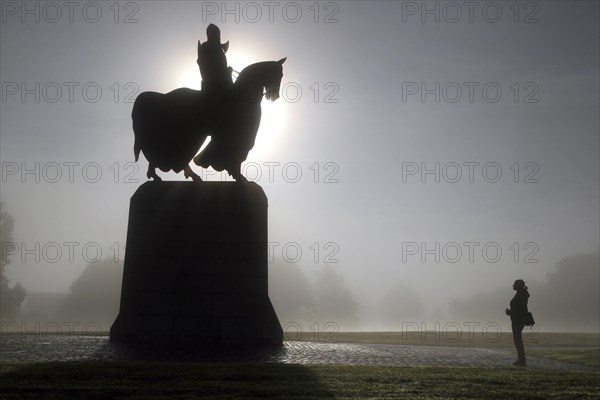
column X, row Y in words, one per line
column 196, row 266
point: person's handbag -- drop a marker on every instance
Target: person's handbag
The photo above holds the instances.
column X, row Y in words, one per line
column 529, row 321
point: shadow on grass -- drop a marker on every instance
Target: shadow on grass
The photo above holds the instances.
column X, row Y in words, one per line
column 159, row 380
column 168, row 380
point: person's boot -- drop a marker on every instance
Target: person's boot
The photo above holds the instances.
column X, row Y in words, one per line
column 521, row 356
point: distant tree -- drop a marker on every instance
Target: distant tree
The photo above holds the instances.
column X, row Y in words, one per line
column 10, row 298
column 402, row 304
column 484, row 307
column 569, row 300
column 95, row 296
column 572, row 295
column 334, row 301
column 290, row 292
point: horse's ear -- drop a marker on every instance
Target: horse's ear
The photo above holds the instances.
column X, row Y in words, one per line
column 225, row 46
column 282, row 60
column 199, row 44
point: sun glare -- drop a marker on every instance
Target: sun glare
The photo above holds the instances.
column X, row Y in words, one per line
column 270, row 132
column 189, row 75
column 273, row 113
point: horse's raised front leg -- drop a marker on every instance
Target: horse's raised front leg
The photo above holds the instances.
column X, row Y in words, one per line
column 151, row 174
column 188, row 173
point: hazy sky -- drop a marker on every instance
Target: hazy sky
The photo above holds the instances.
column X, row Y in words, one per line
column 373, row 93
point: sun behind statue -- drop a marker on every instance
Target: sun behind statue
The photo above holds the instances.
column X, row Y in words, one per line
column 171, row 128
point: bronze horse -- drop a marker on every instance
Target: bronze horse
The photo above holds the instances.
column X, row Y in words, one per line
column 170, row 128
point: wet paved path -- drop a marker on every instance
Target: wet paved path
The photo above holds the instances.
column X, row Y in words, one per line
column 97, row 348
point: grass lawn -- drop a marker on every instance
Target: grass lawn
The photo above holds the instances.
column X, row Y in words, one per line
column 152, row 380
column 584, row 356
column 576, row 348
column 532, row 339
column 122, row 380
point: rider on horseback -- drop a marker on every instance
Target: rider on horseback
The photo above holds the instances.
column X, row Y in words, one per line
column 171, row 128
column 216, row 75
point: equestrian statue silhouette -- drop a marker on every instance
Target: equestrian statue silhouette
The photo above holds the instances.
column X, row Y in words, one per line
column 171, row 128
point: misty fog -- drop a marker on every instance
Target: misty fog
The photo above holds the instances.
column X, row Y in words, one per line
column 414, row 167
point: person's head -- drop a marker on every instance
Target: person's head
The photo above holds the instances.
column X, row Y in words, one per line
column 213, row 34
column 519, row 285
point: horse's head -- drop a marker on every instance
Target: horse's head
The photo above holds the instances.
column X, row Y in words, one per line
column 262, row 78
column 273, row 82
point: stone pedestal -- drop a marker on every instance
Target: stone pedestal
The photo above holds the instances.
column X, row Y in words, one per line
column 196, row 266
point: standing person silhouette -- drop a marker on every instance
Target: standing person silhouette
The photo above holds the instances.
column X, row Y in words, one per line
column 518, row 311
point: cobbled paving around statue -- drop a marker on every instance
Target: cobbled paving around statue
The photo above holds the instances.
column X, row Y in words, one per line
column 25, row 348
